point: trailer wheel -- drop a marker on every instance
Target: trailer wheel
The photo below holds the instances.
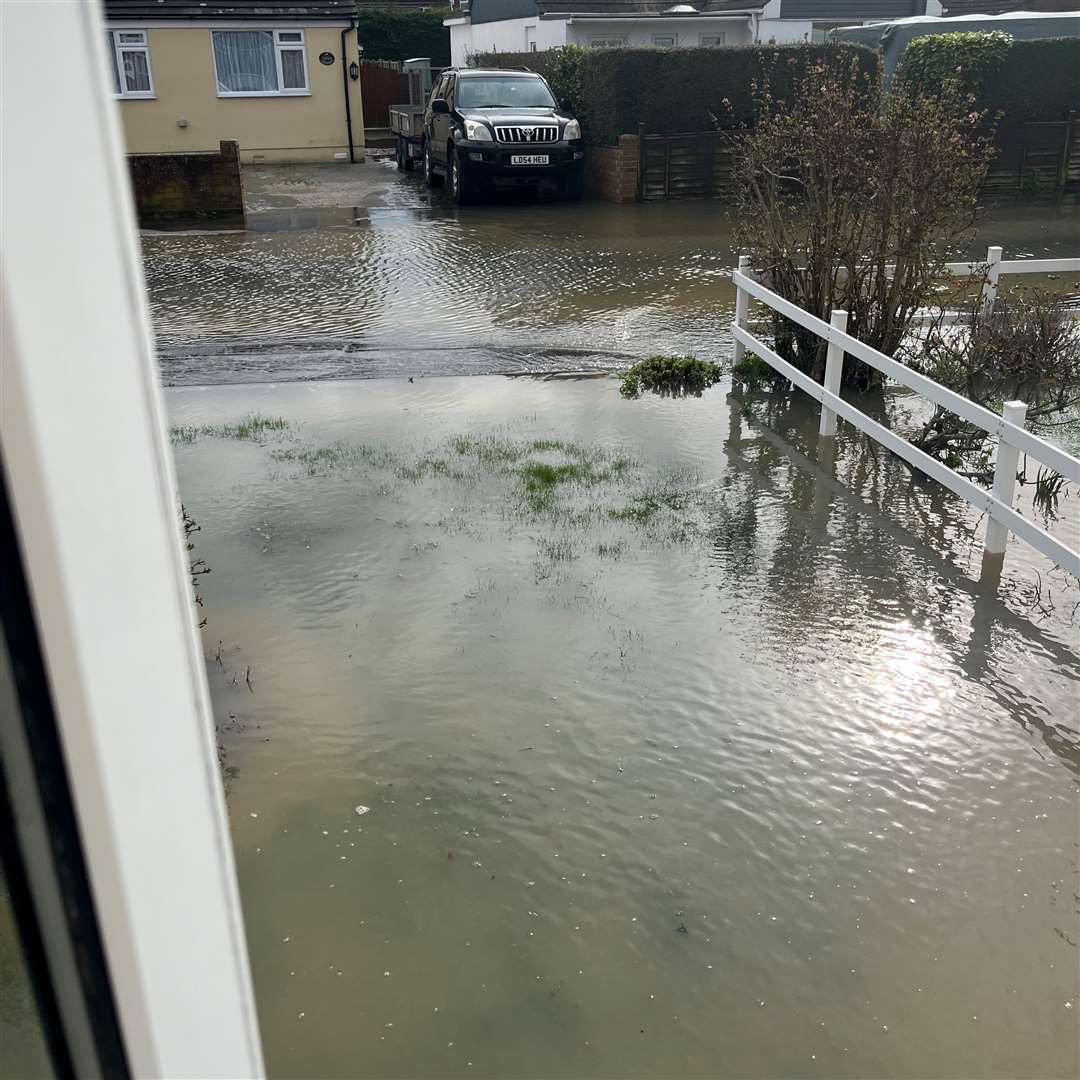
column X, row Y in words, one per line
column 409, row 163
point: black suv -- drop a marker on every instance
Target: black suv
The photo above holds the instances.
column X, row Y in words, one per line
column 502, row 127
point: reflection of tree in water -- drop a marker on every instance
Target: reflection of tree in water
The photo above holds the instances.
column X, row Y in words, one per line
column 853, row 538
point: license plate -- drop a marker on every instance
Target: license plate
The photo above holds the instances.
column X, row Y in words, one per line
column 528, row 159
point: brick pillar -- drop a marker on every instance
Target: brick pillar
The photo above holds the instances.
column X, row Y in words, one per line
column 611, row 172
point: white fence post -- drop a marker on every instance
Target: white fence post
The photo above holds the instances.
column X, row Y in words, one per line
column 990, row 284
column 997, row 534
column 742, row 307
column 834, row 372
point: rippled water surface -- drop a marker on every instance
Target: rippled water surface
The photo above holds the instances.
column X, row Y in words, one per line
column 708, row 757
column 405, row 284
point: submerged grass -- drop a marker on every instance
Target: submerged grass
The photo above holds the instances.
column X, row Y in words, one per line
column 321, row 460
column 251, row 428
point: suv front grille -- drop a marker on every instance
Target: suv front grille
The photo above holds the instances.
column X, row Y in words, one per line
column 528, row 133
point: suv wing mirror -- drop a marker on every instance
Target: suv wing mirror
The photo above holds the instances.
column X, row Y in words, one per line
column 440, row 105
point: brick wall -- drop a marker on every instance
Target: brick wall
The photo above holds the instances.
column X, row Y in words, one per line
column 611, row 172
column 187, row 185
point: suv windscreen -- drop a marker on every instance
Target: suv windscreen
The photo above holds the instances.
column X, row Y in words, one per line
column 503, row 91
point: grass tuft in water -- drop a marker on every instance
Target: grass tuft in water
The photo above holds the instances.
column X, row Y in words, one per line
column 252, row 428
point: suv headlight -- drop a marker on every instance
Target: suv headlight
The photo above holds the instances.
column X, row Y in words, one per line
column 572, row 130
column 477, row 132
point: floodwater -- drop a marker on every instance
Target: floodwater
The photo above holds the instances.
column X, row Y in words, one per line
column 716, row 756
column 711, row 758
column 404, row 284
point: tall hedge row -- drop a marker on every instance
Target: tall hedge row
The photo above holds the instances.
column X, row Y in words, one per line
column 672, row 91
column 1039, row 80
column 1015, row 81
column 401, row 35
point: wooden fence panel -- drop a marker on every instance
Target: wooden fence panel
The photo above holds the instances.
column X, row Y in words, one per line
column 694, row 166
column 1040, row 159
column 382, row 84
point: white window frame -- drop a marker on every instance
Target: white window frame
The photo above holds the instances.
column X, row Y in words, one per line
column 118, row 49
column 279, row 47
column 618, row 41
column 720, row 36
column 659, row 39
column 123, row 647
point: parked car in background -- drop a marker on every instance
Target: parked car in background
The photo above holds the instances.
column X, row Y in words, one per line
column 499, row 128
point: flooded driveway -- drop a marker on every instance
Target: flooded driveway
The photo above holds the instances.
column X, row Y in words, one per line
column 567, row 736
column 390, row 280
column 594, row 738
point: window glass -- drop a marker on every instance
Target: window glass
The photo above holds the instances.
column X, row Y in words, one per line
column 22, row 1039
column 136, row 70
column 257, row 61
column 292, row 69
column 713, row 39
column 664, row 41
column 493, row 91
column 448, row 93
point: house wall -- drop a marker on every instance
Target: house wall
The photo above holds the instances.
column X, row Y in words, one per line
column 640, row 33
column 267, row 129
column 783, row 31
column 508, row 35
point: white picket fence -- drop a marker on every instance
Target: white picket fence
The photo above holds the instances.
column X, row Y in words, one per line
column 1012, row 437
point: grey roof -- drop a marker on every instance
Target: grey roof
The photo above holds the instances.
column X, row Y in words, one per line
column 644, row 7
column 851, row 10
column 236, row 10
column 952, row 8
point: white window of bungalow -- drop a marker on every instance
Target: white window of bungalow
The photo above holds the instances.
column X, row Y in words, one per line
column 129, row 58
column 713, row 39
column 260, row 63
column 608, row 42
column 665, row 41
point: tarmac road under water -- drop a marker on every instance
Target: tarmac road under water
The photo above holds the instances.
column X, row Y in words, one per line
column 398, row 282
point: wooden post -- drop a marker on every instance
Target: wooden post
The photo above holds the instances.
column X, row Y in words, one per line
column 742, row 307
column 997, row 534
column 641, row 162
column 1063, row 168
column 990, row 284
column 834, row 372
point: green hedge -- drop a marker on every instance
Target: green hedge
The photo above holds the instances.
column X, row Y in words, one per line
column 401, row 35
column 676, row 90
column 1038, row 81
column 972, row 58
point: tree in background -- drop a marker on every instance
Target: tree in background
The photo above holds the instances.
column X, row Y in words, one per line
column 852, row 197
column 402, row 35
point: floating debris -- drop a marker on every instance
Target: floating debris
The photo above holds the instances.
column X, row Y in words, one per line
column 362, row 810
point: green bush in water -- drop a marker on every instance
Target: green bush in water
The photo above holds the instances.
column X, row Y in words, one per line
column 752, row 372
column 670, row 376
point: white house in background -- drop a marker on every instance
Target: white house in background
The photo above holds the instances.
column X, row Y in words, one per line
column 536, row 25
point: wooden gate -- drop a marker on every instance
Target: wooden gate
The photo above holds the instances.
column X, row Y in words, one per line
column 698, row 165
column 382, row 85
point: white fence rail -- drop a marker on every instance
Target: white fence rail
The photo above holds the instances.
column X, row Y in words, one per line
column 992, row 269
column 1008, row 427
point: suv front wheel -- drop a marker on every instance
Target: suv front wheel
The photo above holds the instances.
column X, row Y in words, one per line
column 431, row 177
column 460, row 185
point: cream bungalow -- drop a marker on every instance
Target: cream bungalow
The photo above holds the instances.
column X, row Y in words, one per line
column 280, row 77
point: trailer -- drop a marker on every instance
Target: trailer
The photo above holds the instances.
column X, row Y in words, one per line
column 407, row 126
